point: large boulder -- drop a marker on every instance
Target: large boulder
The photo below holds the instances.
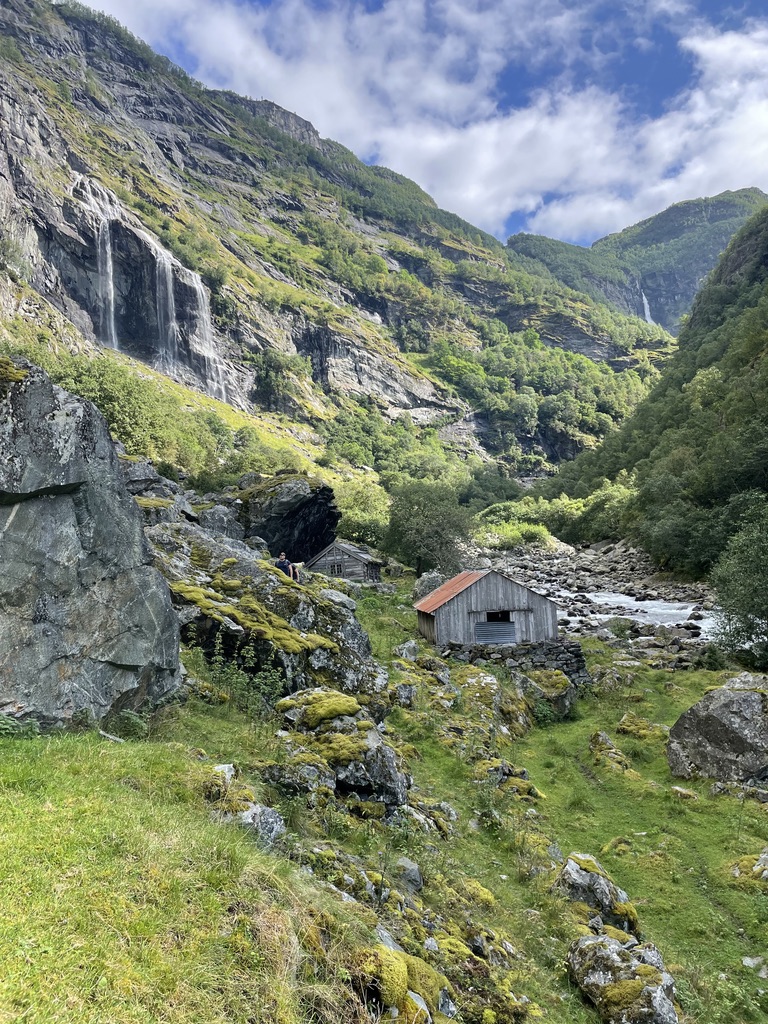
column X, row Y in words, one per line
column 292, row 513
column 627, row 982
column 725, row 735
column 335, row 727
column 86, row 622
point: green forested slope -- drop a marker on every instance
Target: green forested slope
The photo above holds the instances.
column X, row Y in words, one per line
column 698, row 445
column 665, row 257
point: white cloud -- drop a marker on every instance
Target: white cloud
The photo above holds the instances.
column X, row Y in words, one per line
column 420, row 84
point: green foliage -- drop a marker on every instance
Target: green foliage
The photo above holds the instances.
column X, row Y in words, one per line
column 274, row 375
column 602, row 515
column 426, row 525
column 698, row 445
column 364, row 508
column 13, row 258
column 128, row 725
column 12, row 728
column 538, row 394
column 740, row 578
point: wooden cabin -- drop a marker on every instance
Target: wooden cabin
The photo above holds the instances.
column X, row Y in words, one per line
column 486, row 606
column 347, row 561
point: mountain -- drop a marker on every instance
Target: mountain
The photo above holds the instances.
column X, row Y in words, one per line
column 654, row 268
column 222, row 242
column 696, row 446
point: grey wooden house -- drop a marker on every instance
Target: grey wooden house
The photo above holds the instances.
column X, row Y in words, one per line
column 347, row 561
column 486, row 607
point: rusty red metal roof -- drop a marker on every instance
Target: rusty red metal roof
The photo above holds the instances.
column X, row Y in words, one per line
column 449, row 590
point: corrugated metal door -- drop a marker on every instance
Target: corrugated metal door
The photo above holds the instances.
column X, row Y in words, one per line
column 495, row 633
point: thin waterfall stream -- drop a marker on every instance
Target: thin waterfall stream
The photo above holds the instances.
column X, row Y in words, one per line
column 99, row 204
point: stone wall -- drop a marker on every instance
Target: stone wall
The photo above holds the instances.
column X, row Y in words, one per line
column 565, row 655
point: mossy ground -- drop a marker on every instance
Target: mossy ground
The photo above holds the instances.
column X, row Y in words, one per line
column 141, row 907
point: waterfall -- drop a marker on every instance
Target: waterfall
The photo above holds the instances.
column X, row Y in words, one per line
column 214, row 367
column 99, row 203
column 647, row 310
column 165, row 304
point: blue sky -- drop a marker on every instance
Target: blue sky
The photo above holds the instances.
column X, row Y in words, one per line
column 571, row 118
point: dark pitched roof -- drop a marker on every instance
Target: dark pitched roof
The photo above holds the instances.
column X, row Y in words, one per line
column 361, row 554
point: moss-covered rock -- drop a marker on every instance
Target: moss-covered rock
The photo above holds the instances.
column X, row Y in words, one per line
column 626, row 985
column 592, row 892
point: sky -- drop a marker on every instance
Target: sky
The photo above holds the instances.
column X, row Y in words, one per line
column 569, row 118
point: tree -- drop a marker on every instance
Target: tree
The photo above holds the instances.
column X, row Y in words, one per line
column 426, row 526
column 740, row 579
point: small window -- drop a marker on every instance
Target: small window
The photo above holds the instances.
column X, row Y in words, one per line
column 336, row 569
column 497, row 617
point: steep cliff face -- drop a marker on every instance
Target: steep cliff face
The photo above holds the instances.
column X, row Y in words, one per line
column 77, row 109
column 86, row 623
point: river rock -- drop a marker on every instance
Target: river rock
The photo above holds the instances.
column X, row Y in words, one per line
column 725, row 735
column 86, row 622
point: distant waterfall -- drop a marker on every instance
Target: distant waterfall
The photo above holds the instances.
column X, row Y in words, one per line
column 165, row 304
column 647, row 310
column 214, row 368
column 101, row 206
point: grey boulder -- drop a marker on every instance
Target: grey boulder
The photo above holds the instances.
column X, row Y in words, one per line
column 86, row 622
column 725, row 735
column 626, row 985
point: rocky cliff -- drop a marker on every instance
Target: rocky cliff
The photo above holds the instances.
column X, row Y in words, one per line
column 214, row 237
column 86, row 623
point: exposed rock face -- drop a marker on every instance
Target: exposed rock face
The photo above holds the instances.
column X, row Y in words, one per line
column 340, row 363
column 584, row 881
column 293, row 514
column 725, row 735
column 627, row 983
column 222, row 584
column 86, row 623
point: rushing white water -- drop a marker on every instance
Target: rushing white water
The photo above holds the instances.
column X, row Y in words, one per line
column 647, row 310
column 165, row 304
column 102, row 207
column 214, row 368
column 657, row 613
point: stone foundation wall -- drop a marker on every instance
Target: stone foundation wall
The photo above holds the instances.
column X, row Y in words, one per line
column 565, row 655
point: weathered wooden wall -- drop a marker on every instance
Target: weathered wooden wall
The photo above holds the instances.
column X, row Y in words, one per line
column 427, row 626
column 535, row 617
column 352, row 568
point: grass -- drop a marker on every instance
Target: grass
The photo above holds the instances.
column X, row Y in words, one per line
column 124, row 901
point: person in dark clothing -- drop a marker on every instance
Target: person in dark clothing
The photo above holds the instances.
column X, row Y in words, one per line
column 287, row 567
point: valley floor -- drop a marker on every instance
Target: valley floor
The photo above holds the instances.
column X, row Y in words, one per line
column 127, row 899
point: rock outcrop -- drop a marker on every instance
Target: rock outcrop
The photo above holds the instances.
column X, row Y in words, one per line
column 223, row 586
column 292, row 513
column 725, row 735
column 86, row 622
column 586, row 884
column 335, row 730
